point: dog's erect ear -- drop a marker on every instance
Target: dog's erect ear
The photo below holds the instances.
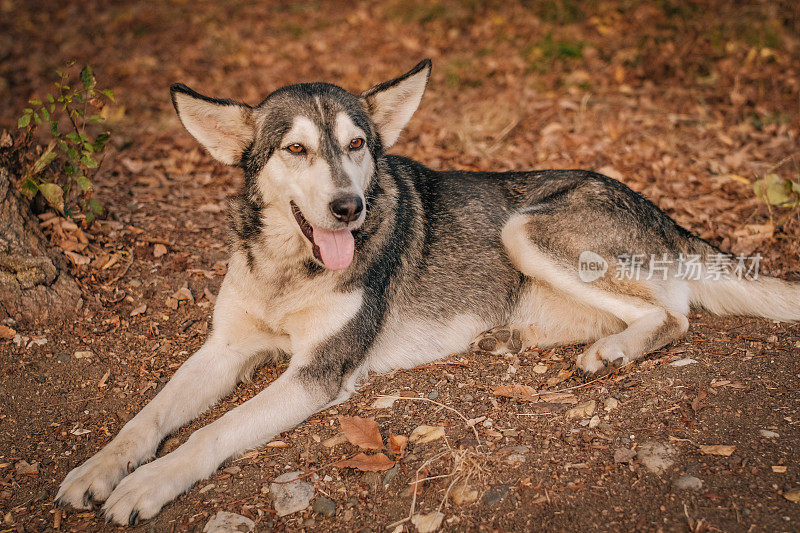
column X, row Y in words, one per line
column 224, row 127
column 391, row 103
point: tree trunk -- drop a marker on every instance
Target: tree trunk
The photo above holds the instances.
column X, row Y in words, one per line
column 35, row 285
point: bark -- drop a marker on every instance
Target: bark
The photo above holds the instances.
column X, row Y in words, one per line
column 35, row 284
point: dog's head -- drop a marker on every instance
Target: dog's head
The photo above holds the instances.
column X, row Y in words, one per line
column 309, row 149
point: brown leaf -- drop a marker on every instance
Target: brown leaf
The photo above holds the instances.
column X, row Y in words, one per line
column 159, row 250
column 518, row 392
column 397, row 444
column 367, row 463
column 139, row 310
column 717, row 449
column 7, row 332
column 363, row 432
column 697, row 403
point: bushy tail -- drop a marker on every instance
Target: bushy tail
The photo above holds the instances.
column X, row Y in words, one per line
column 765, row 297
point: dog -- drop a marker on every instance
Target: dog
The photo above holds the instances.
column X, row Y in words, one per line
column 352, row 261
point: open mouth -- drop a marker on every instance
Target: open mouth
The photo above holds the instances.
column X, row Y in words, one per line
column 334, row 248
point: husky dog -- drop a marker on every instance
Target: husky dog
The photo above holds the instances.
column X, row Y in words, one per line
column 354, row 261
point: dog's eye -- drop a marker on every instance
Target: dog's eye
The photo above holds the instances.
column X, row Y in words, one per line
column 356, row 143
column 296, row 148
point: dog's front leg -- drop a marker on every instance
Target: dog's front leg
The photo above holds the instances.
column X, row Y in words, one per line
column 205, row 377
column 289, row 400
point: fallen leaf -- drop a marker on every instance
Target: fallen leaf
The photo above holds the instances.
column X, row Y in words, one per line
column 159, row 250
column 362, row 432
column 397, row 444
column 717, row 449
column 139, row 310
column 462, row 493
column 384, row 402
column 423, row 434
column 80, row 431
column 779, row 469
column 77, row 259
column 683, row 362
column 559, row 397
column 277, row 444
column 624, row 455
column 792, row 495
column 24, row 468
column 7, row 333
column 427, row 523
column 337, row 439
column 697, row 403
column 367, row 463
column 183, row 294
column 563, row 375
column 518, row 392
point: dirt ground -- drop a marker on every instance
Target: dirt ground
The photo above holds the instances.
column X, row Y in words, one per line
column 687, row 102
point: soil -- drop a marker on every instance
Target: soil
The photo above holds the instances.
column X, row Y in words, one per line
column 684, row 102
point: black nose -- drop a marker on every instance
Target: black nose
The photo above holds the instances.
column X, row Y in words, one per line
column 347, row 208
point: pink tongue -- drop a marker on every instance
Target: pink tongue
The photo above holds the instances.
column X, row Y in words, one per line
column 336, row 248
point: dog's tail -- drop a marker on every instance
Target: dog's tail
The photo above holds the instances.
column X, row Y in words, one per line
column 752, row 295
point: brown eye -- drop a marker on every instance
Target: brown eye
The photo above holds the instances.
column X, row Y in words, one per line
column 356, row 143
column 296, row 148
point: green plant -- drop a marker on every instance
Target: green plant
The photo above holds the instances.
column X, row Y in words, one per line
column 65, row 170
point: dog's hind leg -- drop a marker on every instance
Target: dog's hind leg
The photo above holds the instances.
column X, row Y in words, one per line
column 200, row 382
column 644, row 323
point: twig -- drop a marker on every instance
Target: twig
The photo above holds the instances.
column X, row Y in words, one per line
column 124, row 271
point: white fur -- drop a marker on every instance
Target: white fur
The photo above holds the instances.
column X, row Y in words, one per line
column 224, row 130
column 393, row 107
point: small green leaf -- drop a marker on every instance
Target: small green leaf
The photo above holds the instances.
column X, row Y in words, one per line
column 35, row 101
column 50, row 98
column 24, row 120
column 95, row 206
column 45, row 159
column 28, row 110
column 54, row 129
column 87, row 77
column 90, row 218
column 109, row 93
column 53, row 194
column 29, row 188
column 100, row 141
column 96, row 119
column 775, row 190
column 88, row 161
column 36, row 118
column 45, row 114
column 84, row 183
column 70, row 169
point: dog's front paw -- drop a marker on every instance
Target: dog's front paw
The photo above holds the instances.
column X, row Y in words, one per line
column 94, row 480
column 142, row 494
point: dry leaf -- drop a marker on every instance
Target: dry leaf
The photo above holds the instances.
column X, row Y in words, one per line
column 384, row 402
column 427, row 523
column 423, row 434
column 779, row 469
column 159, row 250
column 139, row 310
column 7, row 333
column 717, row 449
column 559, row 397
column 397, row 444
column 363, row 432
column 335, row 440
column 518, row 392
column 462, row 494
column 792, row 495
column 563, row 375
column 367, row 463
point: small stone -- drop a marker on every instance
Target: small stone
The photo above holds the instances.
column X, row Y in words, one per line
column 233, row 470
column 515, row 459
column 428, row 522
column 610, row 404
column 85, row 354
column 582, row 410
column 624, row 455
column 433, row 394
column 540, row 369
column 390, row 474
column 594, row 422
column 467, row 397
column 290, row 494
column 207, row 488
column 688, row 482
column 225, row 522
column 323, row 505
column 655, row 456
column 768, row 434
column 683, row 362
column 496, row 494
column 63, row 357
